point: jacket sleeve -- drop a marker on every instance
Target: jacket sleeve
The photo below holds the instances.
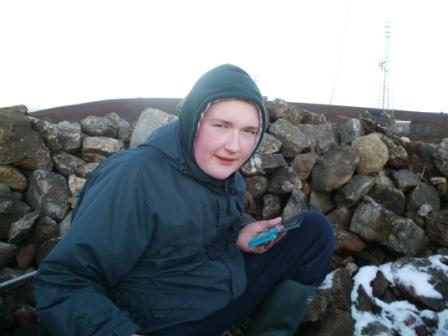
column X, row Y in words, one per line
column 108, row 234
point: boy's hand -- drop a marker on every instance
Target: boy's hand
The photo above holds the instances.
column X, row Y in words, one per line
column 251, row 230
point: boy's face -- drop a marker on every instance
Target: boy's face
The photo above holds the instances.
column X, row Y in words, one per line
column 226, row 137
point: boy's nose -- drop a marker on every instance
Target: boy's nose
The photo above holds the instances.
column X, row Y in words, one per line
column 233, row 142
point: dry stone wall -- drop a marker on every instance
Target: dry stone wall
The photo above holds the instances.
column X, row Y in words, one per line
column 385, row 195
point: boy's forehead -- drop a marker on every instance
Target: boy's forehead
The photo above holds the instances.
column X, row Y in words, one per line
column 235, row 109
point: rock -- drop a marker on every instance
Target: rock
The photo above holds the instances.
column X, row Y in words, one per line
column 12, row 177
column 70, row 134
column 321, row 137
column 50, row 133
column 122, row 126
column 263, row 164
column 21, row 229
column 334, row 168
column 25, row 255
column 437, row 227
column 398, row 156
column 98, row 126
column 66, row 164
column 421, row 194
column 48, row 192
column 149, row 120
column 269, row 145
column 20, row 209
column 321, row 201
column 7, row 254
column 284, row 180
column 350, row 130
column 45, row 229
column 296, row 204
column 373, row 154
column 6, row 200
column 257, row 185
column 97, row 149
column 304, row 163
column 20, row 144
column 405, row 179
column 293, row 140
column 86, row 169
column 271, row 206
column 354, row 190
column 280, row 109
column 441, row 157
column 348, row 243
column 390, row 198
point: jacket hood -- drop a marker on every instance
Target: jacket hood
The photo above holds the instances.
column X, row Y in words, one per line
column 223, row 82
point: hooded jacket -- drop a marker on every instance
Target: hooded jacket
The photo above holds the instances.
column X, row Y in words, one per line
column 152, row 240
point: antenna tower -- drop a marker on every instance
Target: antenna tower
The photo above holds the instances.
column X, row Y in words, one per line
column 385, row 101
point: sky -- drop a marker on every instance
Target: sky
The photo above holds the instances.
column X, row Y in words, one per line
column 62, row 52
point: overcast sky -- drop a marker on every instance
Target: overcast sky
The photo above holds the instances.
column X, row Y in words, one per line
column 322, row 51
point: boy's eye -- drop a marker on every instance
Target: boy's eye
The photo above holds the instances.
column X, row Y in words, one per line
column 250, row 131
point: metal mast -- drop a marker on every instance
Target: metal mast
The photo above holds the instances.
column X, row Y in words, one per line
column 385, row 100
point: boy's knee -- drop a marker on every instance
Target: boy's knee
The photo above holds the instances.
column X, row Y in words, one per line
column 317, row 225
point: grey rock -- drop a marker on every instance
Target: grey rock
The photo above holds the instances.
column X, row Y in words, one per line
column 350, row 130
column 50, row 133
column 271, row 206
column 280, row 109
column 263, row 164
column 269, row 145
column 405, row 179
column 6, row 200
column 293, row 140
column 66, row 163
column 441, row 157
column 20, row 144
column 390, row 198
column 421, row 194
column 48, row 192
column 148, row 121
column 322, row 137
column 321, row 201
column 304, row 163
column 7, row 254
column 20, row 209
column 284, row 180
column 86, row 169
column 21, row 229
column 297, row 203
column 334, row 168
column 257, row 185
column 437, row 227
column 354, row 190
column 98, row 126
column 97, row 149
column 70, row 135
column 122, row 126
column 398, row 156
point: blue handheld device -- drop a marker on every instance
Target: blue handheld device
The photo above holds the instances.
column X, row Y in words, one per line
column 272, row 233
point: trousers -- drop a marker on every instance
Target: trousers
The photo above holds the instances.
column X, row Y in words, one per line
column 303, row 255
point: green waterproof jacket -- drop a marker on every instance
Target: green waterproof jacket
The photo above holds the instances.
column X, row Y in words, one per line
column 152, row 240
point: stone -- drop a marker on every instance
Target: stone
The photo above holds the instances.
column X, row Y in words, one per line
column 66, row 163
column 97, row 149
column 20, row 144
column 257, row 185
column 304, row 163
column 373, row 154
column 7, row 254
column 437, row 227
column 421, row 194
column 334, row 168
column 98, row 126
column 149, row 120
column 12, row 177
column 354, row 190
column 21, row 229
column 70, row 134
column 280, row 109
column 284, row 180
column 271, row 206
column 263, row 164
column 122, row 126
column 321, row 201
column 293, row 140
column 269, row 145
column 441, row 157
column 48, row 193
column 405, row 179
column 350, row 130
column 322, row 137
